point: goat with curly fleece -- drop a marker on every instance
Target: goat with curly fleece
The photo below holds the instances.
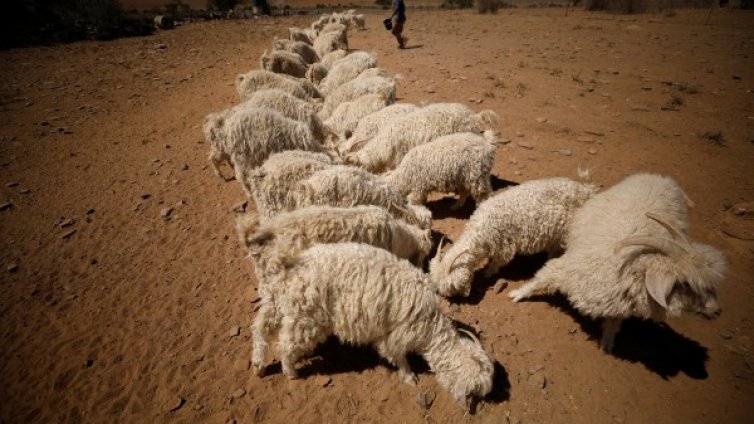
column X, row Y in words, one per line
column 628, row 254
column 304, row 50
column 326, row 224
column 348, row 114
column 272, row 184
column 260, row 79
column 455, row 163
column 284, row 62
column 363, row 295
column 370, row 124
column 247, row 136
column 386, row 149
column 347, row 186
column 356, row 88
column 526, row 219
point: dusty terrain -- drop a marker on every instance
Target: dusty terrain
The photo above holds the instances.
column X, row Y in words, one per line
column 123, row 285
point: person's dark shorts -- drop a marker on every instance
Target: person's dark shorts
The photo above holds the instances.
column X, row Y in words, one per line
column 398, row 27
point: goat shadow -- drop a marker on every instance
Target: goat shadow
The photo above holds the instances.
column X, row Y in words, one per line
column 332, row 357
column 655, row 345
column 441, row 208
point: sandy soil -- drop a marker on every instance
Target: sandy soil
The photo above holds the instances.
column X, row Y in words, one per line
column 123, row 286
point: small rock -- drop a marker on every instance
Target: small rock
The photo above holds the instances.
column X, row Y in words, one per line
column 161, row 46
column 538, row 380
column 592, row 151
column 541, row 119
column 500, row 285
column 238, row 394
column 242, row 365
column 90, row 211
column 234, row 331
column 322, row 380
column 240, row 207
column 519, row 134
column 66, row 223
column 431, row 90
column 12, row 267
column 12, row 184
column 425, row 399
column 726, row 335
column 185, row 167
column 6, row 205
column 525, row 145
column 165, row 212
column 587, row 140
column 453, row 308
column 564, row 152
column 25, row 191
column 595, row 133
column 175, row 403
column 68, row 234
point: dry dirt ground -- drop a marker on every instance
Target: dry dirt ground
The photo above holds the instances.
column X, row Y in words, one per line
column 123, row 284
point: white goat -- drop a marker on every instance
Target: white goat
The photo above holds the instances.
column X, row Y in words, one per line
column 326, row 224
column 364, row 296
column 386, row 149
column 455, row 163
column 525, row 219
column 284, row 62
column 346, row 186
column 628, row 255
column 347, row 115
column 272, row 183
column 370, row 124
column 304, row 50
column 246, row 137
column 291, row 107
column 357, row 88
column 259, row 79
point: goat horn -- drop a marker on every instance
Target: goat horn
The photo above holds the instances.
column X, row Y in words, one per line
column 451, row 264
column 666, row 246
column 471, row 335
column 439, row 248
column 675, row 232
column 406, row 212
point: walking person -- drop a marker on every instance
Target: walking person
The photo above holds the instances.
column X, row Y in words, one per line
column 400, row 17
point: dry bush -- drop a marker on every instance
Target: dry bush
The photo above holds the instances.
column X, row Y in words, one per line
column 489, row 6
column 644, row 6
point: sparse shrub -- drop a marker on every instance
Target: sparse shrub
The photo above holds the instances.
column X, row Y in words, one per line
column 643, row 6
column 488, row 6
column 456, row 4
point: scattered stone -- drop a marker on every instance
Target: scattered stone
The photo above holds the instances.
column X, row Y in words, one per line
column 595, row 133
column 161, row 46
column 431, row 90
column 425, row 399
column 90, row 211
column 500, row 285
column 185, row 167
column 25, row 191
column 242, row 365
column 146, row 196
column 68, row 234
column 165, row 212
column 12, row 184
column 12, row 267
column 234, row 331
column 240, row 207
column 453, row 308
column 66, row 223
column 592, row 151
column 564, row 152
column 6, row 205
column 519, row 134
column 525, row 145
column 322, row 380
column 538, row 380
column 238, row 394
column 587, row 140
column 541, row 119
column 175, row 403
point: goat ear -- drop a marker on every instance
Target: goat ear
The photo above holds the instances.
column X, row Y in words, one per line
column 659, row 286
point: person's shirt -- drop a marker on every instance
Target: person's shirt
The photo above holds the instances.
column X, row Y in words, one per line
column 400, row 10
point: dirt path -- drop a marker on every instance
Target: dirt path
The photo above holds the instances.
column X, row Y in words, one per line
column 133, row 316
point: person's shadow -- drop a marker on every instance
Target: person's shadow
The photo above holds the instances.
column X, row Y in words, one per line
column 415, row 46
